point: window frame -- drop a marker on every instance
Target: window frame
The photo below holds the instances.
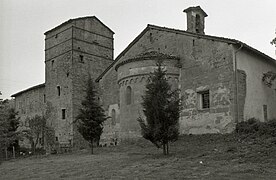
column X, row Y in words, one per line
column 202, row 105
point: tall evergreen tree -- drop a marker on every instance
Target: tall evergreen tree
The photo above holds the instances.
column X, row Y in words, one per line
column 161, row 107
column 91, row 116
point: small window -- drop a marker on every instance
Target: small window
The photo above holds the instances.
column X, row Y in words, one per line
column 265, row 112
column 197, row 24
column 58, row 89
column 44, row 98
column 204, row 99
column 113, row 117
column 81, row 58
column 56, row 138
column 128, row 95
column 53, row 63
column 63, row 113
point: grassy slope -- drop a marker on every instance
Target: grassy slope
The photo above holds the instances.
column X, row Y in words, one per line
column 192, row 157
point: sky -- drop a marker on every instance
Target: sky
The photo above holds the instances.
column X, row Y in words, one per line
column 23, row 23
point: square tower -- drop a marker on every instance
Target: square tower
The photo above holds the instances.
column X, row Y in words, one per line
column 74, row 50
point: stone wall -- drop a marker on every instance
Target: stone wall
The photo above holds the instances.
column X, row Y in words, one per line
column 58, row 81
column 92, row 54
column 109, row 97
column 207, row 64
column 28, row 104
column 75, row 50
column 134, row 74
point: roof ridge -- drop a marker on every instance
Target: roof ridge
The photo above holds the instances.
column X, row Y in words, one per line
column 74, row 19
column 222, row 39
column 28, row 89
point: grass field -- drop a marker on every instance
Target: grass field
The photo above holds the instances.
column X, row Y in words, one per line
column 191, row 157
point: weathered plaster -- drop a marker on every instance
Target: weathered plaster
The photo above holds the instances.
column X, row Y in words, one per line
column 257, row 93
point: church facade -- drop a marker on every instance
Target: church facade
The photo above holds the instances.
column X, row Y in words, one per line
column 220, row 79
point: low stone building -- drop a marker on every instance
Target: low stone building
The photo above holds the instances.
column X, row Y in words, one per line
column 219, row 78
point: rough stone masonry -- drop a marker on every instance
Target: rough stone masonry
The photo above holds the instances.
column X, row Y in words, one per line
column 219, row 78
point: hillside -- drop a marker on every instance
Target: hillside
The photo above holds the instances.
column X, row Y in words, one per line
column 191, row 157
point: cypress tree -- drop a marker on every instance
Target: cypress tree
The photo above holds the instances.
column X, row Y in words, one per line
column 91, row 116
column 161, row 107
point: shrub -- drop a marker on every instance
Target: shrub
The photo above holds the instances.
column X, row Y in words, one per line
column 254, row 127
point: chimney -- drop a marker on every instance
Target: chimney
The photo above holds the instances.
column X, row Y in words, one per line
column 195, row 19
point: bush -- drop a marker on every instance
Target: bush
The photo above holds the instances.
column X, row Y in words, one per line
column 254, row 127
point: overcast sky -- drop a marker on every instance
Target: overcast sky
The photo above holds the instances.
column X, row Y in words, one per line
column 23, row 23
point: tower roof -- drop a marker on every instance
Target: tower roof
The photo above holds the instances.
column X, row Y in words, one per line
column 79, row 18
column 196, row 8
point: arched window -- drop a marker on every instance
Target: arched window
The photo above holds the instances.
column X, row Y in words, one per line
column 128, row 95
column 113, row 117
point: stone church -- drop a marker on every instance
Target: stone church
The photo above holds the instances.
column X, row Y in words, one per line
column 219, row 78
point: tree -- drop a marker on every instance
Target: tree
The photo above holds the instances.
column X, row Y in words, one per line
column 91, row 116
column 8, row 126
column 161, row 107
column 268, row 78
column 36, row 130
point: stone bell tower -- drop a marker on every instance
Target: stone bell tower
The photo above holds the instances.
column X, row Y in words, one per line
column 195, row 19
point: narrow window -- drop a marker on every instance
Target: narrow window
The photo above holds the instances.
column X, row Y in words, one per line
column 58, row 89
column 128, row 95
column 265, row 112
column 53, row 63
column 113, row 117
column 197, row 23
column 204, row 99
column 56, row 138
column 63, row 113
column 81, row 58
column 44, row 98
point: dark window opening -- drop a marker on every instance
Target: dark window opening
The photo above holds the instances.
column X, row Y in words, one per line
column 67, row 74
column 113, row 117
column 197, row 23
column 53, row 63
column 128, row 95
column 44, row 98
column 205, row 99
column 265, row 112
column 81, row 58
column 56, row 36
column 58, row 89
column 63, row 113
column 56, row 138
